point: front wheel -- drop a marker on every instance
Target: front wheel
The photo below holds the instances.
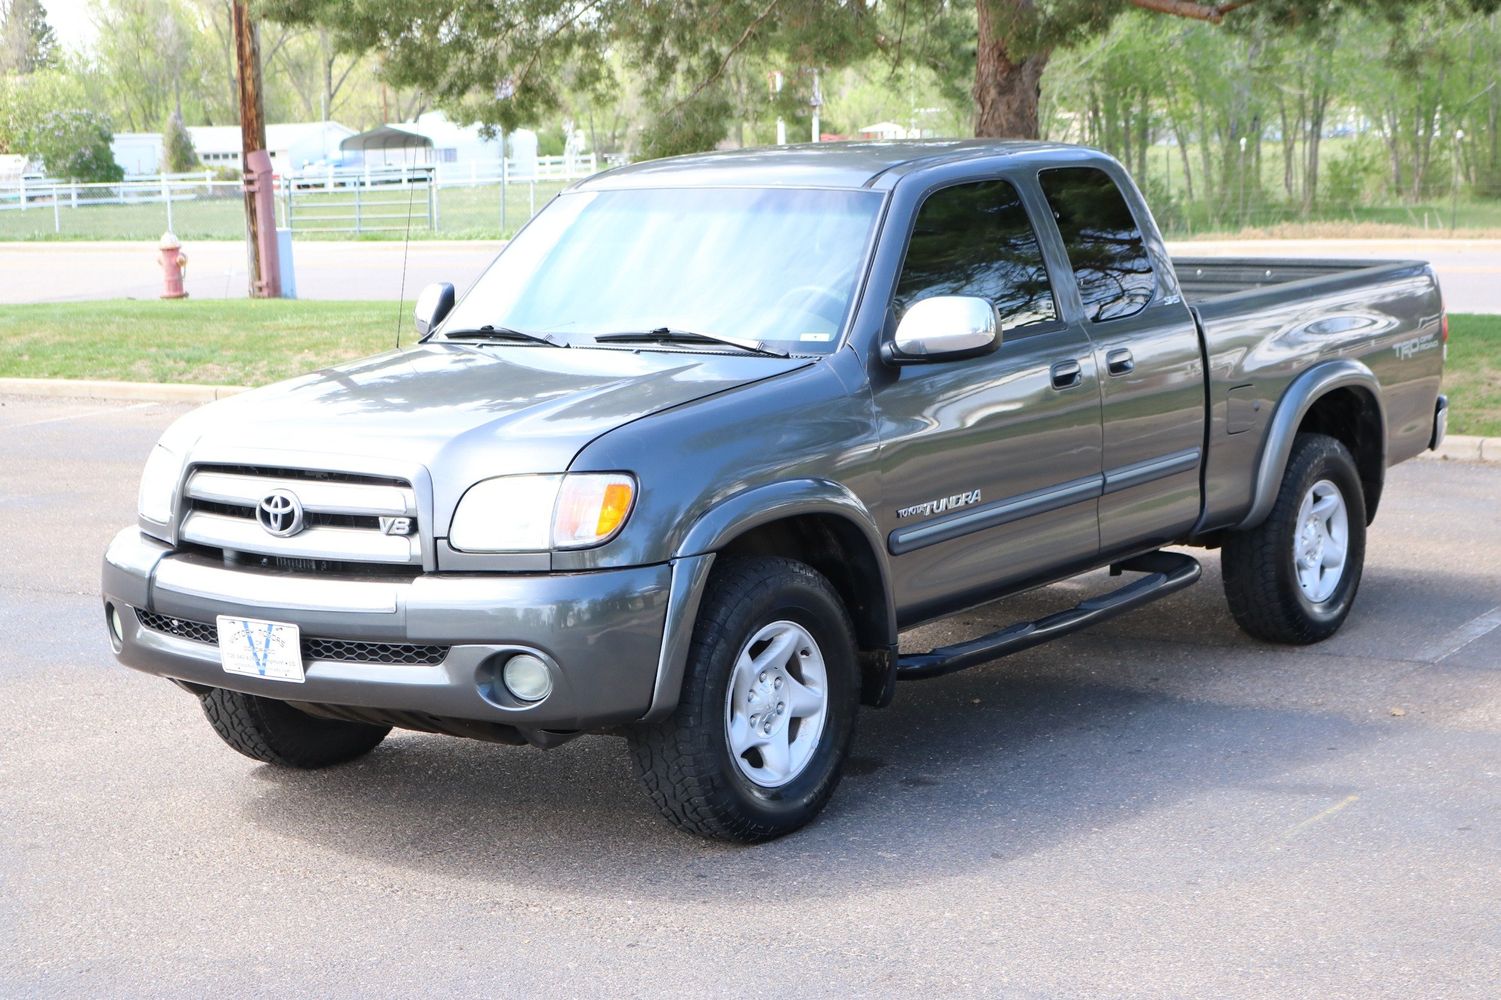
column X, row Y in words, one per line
column 1293, row 578
column 758, row 740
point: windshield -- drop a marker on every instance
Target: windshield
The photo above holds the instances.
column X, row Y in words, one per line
column 775, row 265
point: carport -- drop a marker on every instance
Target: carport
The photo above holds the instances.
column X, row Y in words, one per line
column 389, row 145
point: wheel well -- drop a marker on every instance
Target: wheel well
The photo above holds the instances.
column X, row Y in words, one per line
column 1352, row 417
column 839, row 550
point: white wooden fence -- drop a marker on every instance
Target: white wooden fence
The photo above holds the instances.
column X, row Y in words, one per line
column 362, row 185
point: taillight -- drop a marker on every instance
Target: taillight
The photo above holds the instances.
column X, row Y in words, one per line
column 1443, row 327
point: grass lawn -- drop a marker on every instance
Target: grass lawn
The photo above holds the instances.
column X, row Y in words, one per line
column 217, row 342
column 249, row 342
column 1472, row 377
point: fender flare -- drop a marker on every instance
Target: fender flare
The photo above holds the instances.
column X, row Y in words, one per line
column 721, row 524
column 748, row 509
column 1305, row 390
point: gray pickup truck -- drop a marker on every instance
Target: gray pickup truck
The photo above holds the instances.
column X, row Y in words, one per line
column 711, row 432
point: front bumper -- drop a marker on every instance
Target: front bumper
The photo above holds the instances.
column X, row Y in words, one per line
column 602, row 634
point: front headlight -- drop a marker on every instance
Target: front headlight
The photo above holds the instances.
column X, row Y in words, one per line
column 536, row 513
column 158, row 491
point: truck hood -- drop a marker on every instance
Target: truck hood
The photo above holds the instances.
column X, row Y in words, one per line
column 471, row 411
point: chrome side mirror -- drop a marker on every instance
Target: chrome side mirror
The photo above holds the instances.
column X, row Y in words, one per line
column 433, row 304
column 944, row 328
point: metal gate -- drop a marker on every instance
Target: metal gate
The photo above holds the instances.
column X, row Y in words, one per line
column 373, row 200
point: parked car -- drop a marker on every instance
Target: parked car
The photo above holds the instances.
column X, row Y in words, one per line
column 712, row 431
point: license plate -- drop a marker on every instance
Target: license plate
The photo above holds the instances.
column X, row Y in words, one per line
column 261, row 649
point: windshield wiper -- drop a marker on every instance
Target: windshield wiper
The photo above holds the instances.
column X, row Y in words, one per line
column 489, row 332
column 667, row 335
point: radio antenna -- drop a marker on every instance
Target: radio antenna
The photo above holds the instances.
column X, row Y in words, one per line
column 406, row 245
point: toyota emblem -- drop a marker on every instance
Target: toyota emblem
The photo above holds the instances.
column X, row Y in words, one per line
column 280, row 513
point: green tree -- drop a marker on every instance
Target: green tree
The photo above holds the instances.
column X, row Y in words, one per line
column 27, row 43
column 177, row 146
column 149, row 60
column 24, row 99
column 514, row 62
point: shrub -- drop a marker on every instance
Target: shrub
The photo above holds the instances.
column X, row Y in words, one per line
column 73, row 143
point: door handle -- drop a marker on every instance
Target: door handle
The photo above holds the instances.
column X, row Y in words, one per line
column 1067, row 374
column 1120, row 362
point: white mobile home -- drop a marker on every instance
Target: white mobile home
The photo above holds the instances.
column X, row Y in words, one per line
column 292, row 145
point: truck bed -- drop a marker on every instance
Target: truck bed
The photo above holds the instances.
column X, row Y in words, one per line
column 1264, row 320
column 1205, row 278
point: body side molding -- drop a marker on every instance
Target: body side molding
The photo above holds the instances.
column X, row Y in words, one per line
column 1151, row 470
column 1055, row 497
column 995, row 514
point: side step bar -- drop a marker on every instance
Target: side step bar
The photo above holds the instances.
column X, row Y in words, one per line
column 1167, row 572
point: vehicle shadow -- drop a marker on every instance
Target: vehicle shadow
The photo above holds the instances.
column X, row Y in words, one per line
column 977, row 768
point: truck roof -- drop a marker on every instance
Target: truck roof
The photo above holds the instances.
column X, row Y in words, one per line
column 824, row 164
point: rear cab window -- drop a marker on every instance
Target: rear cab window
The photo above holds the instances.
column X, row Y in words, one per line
column 976, row 239
column 1105, row 247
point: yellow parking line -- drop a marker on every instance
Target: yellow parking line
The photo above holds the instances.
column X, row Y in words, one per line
column 1297, row 828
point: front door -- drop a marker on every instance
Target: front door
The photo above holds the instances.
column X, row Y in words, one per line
column 991, row 466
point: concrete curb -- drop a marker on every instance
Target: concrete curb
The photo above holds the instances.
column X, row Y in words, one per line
column 1463, row 448
column 1456, row 447
column 153, row 392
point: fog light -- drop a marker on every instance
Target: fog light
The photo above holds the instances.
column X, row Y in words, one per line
column 116, row 626
column 527, row 677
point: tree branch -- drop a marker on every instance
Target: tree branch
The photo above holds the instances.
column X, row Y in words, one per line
column 1213, row 13
column 745, row 36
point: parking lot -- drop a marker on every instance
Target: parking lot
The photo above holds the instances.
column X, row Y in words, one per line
column 1161, row 807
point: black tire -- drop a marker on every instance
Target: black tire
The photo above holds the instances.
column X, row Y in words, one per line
column 684, row 763
column 1261, row 579
column 274, row 732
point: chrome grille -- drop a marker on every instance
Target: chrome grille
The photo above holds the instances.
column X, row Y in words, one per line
column 341, row 516
column 313, row 647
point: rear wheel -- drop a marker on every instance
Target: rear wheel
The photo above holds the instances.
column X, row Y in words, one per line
column 1293, row 578
column 757, row 742
column 274, row 732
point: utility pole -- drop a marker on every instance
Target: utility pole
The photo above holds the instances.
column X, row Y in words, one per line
column 260, row 208
column 776, row 88
column 816, row 102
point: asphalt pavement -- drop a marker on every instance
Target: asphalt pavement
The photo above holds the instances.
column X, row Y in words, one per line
column 1468, row 270
column 1160, row 807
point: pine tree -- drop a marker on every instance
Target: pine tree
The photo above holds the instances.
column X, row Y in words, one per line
column 177, row 146
column 27, row 43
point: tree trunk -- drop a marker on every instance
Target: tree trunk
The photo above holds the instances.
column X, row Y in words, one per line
column 1006, row 89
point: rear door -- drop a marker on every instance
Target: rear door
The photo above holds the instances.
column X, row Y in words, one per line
column 990, row 465
column 1146, row 349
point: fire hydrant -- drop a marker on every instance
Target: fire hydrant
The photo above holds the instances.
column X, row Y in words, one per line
column 174, row 265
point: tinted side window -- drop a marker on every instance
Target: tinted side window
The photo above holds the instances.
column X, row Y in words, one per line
column 1104, row 245
column 976, row 239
